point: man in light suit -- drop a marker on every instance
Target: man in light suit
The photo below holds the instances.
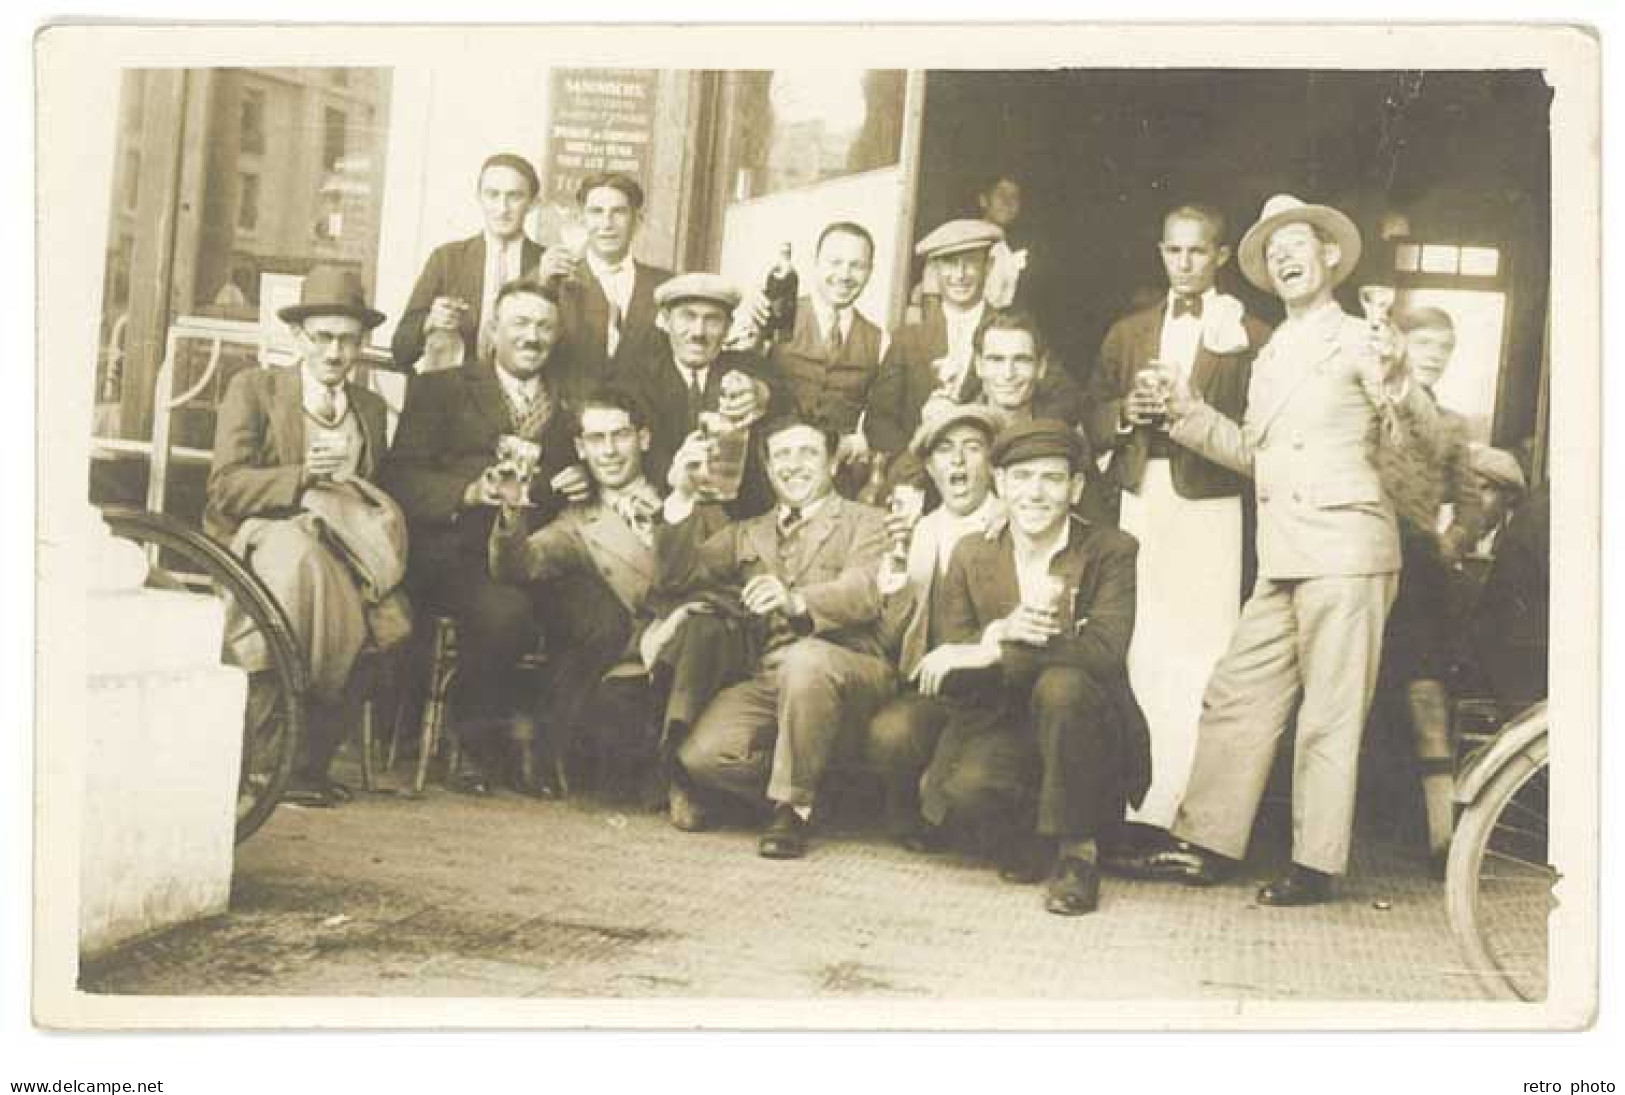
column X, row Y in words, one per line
column 459, row 283
column 606, row 540
column 282, row 435
column 805, row 573
column 606, row 297
column 1035, row 628
column 953, row 444
column 1186, row 511
column 1325, row 392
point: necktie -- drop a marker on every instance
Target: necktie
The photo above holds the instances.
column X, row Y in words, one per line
column 789, row 518
column 327, row 407
column 696, row 397
column 637, row 518
column 835, row 341
column 1187, row 306
column 612, row 328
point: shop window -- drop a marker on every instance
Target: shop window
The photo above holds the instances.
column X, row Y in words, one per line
column 800, row 127
column 335, row 123
column 248, row 203
column 251, row 126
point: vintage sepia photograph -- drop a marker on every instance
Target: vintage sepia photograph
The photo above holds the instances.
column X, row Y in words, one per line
column 691, row 530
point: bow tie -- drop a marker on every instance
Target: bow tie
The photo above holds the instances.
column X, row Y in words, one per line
column 1187, row 306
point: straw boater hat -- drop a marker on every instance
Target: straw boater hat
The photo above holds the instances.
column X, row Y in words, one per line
column 709, row 287
column 331, row 291
column 1284, row 209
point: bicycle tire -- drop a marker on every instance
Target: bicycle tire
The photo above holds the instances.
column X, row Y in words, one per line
column 1463, row 891
column 260, row 787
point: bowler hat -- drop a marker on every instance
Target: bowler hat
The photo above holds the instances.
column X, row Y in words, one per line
column 1284, row 209
column 331, row 291
column 710, row 287
column 1039, row 437
column 959, row 235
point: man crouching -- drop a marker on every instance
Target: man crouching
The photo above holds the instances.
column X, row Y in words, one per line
column 1036, row 626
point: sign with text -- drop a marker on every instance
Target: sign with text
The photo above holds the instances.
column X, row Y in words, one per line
column 603, row 120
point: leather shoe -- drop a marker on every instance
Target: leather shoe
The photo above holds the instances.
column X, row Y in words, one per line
column 1179, row 862
column 923, row 838
column 1074, row 888
column 1299, row 886
column 1026, row 860
column 786, row 835
column 686, row 815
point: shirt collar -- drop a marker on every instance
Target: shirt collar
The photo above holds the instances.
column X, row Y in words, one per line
column 809, row 510
column 310, row 394
column 601, row 269
column 520, row 391
column 1205, row 296
column 828, row 313
column 1050, row 553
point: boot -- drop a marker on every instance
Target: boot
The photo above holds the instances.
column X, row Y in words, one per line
column 1430, row 725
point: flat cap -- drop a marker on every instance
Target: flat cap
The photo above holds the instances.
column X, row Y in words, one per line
column 1040, row 437
column 941, row 417
column 711, row 287
column 959, row 235
column 1496, row 466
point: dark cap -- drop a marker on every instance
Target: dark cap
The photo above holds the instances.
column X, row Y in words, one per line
column 1037, row 438
column 514, row 162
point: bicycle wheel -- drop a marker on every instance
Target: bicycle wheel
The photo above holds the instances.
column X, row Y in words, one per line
column 274, row 717
column 1500, row 878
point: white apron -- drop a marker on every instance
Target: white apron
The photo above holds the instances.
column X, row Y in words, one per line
column 1188, row 601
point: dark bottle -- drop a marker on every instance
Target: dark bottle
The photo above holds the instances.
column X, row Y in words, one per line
column 782, row 288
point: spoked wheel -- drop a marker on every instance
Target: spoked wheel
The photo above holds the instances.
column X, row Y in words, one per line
column 1500, row 880
column 273, row 723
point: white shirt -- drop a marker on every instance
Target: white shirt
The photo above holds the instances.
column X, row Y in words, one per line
column 313, row 398
column 829, row 315
column 684, row 373
column 940, row 531
column 522, row 393
column 807, row 511
column 962, row 326
column 616, row 281
column 1032, row 567
column 1182, row 336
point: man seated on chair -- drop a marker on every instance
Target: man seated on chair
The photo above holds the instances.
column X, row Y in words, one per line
column 445, row 470
column 607, row 540
column 285, row 437
column 1035, row 631
column 804, row 573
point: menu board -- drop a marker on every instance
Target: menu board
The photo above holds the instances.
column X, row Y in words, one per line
column 603, row 120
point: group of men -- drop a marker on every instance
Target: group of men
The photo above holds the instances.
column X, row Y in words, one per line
column 1037, row 635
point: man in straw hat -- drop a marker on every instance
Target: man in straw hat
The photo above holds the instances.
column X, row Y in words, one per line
column 284, row 435
column 1325, row 389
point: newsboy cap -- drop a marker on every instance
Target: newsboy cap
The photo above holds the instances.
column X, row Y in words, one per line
column 331, row 291
column 1040, row 437
column 959, row 235
column 711, row 287
column 1496, row 466
column 940, row 418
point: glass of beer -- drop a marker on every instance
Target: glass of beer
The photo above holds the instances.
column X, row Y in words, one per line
column 1154, row 380
column 1050, row 598
column 515, row 467
column 907, row 501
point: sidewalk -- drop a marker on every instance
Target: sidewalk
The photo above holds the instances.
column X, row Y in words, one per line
column 508, row 897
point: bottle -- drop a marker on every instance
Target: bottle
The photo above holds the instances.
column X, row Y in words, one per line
column 782, row 288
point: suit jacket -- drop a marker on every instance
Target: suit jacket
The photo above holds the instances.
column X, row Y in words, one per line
column 1309, row 441
column 586, row 538
column 455, row 269
column 584, row 319
column 1219, row 379
column 1098, row 563
column 446, row 437
column 708, row 554
column 656, row 380
column 835, row 391
column 259, row 448
column 908, row 376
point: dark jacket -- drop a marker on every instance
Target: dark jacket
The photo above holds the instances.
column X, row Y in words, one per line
column 455, row 269
column 584, row 328
column 834, row 392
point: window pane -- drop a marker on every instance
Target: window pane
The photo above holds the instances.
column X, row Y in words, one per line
column 252, row 124
column 248, row 203
column 799, row 127
column 1407, row 256
column 1480, row 262
column 1439, row 258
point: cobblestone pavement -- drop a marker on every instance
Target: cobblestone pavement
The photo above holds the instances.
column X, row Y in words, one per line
column 509, row 897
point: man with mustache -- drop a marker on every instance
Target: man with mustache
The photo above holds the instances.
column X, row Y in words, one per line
column 606, row 297
column 1031, row 666
column 831, row 358
column 459, row 283
column 1326, row 391
column 803, row 573
column 691, row 377
column 443, row 470
column 1185, row 510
